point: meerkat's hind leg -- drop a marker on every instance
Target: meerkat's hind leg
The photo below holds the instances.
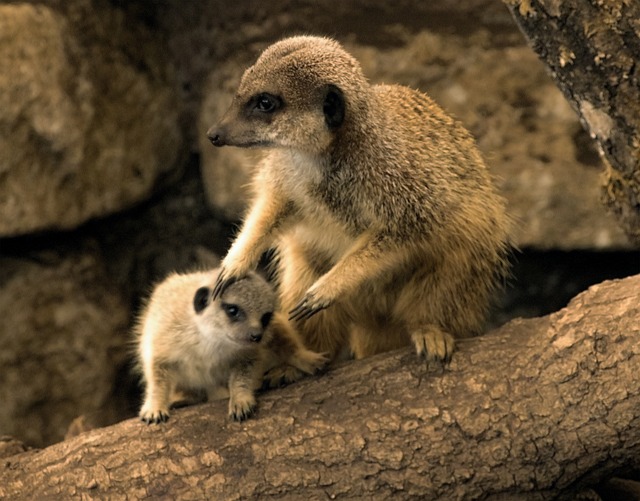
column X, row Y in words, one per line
column 433, row 343
column 370, row 339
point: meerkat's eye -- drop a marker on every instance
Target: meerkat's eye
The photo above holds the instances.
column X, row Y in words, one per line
column 234, row 312
column 266, row 319
column 266, row 103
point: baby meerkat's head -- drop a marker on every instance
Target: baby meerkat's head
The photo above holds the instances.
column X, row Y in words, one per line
column 242, row 314
column 299, row 92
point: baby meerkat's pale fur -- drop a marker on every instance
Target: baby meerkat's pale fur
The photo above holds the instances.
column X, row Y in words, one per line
column 190, row 343
column 387, row 228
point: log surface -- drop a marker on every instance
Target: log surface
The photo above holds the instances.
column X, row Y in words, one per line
column 536, row 409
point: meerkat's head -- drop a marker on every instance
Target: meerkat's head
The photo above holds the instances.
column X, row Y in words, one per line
column 297, row 95
column 242, row 314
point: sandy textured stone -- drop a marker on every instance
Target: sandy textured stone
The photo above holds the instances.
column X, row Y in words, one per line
column 86, row 127
column 62, row 338
column 225, row 171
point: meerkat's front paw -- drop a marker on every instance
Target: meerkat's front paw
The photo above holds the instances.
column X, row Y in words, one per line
column 241, row 406
column 224, row 280
column 308, row 306
column 234, row 267
column 154, row 414
column 434, row 344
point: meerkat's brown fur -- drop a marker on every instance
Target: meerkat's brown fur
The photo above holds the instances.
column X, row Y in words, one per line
column 387, row 227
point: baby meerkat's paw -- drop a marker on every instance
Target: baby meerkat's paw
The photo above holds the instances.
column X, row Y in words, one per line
column 242, row 405
column 434, row 344
column 303, row 362
column 281, row 375
column 309, row 361
column 150, row 414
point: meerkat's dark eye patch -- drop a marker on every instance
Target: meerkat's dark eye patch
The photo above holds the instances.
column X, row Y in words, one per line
column 264, row 103
column 233, row 311
column 265, row 320
column 201, row 299
column 333, row 107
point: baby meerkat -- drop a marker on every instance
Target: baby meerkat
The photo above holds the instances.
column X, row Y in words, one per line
column 386, row 225
column 189, row 343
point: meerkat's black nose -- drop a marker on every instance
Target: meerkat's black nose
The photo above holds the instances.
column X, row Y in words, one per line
column 255, row 337
column 216, row 137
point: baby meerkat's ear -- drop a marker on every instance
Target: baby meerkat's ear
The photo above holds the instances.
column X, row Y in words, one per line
column 265, row 320
column 201, row 299
column 333, row 107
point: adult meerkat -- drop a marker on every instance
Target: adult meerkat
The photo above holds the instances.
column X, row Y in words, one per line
column 387, row 228
column 189, row 343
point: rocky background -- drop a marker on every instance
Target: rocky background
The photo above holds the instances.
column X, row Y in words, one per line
column 107, row 181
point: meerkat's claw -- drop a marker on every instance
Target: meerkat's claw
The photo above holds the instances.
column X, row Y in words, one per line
column 241, row 410
column 154, row 417
column 241, row 414
column 434, row 344
column 309, row 306
column 223, row 281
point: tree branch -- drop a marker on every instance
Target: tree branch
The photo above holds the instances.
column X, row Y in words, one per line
column 534, row 409
column 592, row 50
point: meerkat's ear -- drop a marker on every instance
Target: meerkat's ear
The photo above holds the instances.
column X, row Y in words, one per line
column 201, row 299
column 333, row 107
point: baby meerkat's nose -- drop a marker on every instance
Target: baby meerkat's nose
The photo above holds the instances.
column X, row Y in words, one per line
column 216, row 136
column 255, row 337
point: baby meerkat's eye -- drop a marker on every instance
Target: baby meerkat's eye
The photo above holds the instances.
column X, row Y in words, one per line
column 266, row 103
column 234, row 312
column 266, row 319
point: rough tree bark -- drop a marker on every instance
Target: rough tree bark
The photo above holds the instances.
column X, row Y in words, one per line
column 592, row 48
column 536, row 409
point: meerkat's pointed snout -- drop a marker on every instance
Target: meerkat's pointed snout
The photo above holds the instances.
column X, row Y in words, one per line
column 216, row 136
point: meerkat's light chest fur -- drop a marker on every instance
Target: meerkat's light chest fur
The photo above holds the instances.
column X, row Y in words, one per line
column 199, row 361
column 301, row 175
column 202, row 360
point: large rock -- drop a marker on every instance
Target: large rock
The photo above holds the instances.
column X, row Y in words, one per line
column 62, row 338
column 544, row 163
column 225, row 171
column 87, row 114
